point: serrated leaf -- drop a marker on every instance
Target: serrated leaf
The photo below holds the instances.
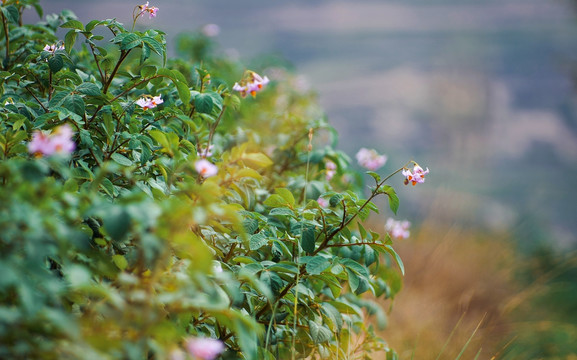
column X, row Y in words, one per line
column 121, row 159
column 257, row 241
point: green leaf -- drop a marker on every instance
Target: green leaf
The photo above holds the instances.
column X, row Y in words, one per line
column 74, row 103
column 11, row 12
column 70, row 40
column 73, row 24
column 130, row 41
column 275, row 201
column 148, row 71
column 397, row 258
column 257, row 241
column 92, row 24
column 308, row 240
column 120, row 261
column 319, row 333
column 121, row 159
column 375, row 176
column 203, row 103
column 393, row 198
column 283, row 211
column 287, row 195
column 335, row 200
column 88, row 88
column 272, row 280
column 183, row 92
column 153, row 44
column 116, row 222
column 250, row 225
column 317, row 265
column 55, row 63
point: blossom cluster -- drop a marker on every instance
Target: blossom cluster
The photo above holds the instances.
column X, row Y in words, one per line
column 370, row 159
column 57, row 142
column 416, row 176
column 149, row 102
column 53, row 48
column 397, row 229
column 151, row 10
column 251, row 84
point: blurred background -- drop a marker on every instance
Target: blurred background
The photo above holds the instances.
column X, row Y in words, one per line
column 483, row 93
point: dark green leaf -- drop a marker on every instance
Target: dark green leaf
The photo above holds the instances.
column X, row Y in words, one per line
column 317, row 265
column 203, row 103
column 74, row 103
column 130, row 41
column 11, row 12
column 88, row 88
column 116, row 222
column 55, row 63
column 308, row 240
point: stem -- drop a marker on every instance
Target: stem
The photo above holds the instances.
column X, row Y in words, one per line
column 123, row 55
column 102, row 76
column 213, row 130
column 36, row 98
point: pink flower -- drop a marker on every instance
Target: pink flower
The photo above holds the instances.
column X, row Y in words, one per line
column 204, row 348
column 148, row 102
column 331, row 169
column 53, row 48
column 151, row 10
column 397, row 229
column 58, row 142
column 205, row 168
column 323, row 202
column 417, row 176
column 370, row 159
column 252, row 83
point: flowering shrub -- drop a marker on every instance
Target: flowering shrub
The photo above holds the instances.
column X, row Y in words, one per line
column 211, row 226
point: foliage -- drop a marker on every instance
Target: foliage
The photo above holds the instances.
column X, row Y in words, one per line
column 123, row 249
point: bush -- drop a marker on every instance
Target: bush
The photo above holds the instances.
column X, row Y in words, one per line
column 147, row 206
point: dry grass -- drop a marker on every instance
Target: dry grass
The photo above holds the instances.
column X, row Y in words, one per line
column 455, row 280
